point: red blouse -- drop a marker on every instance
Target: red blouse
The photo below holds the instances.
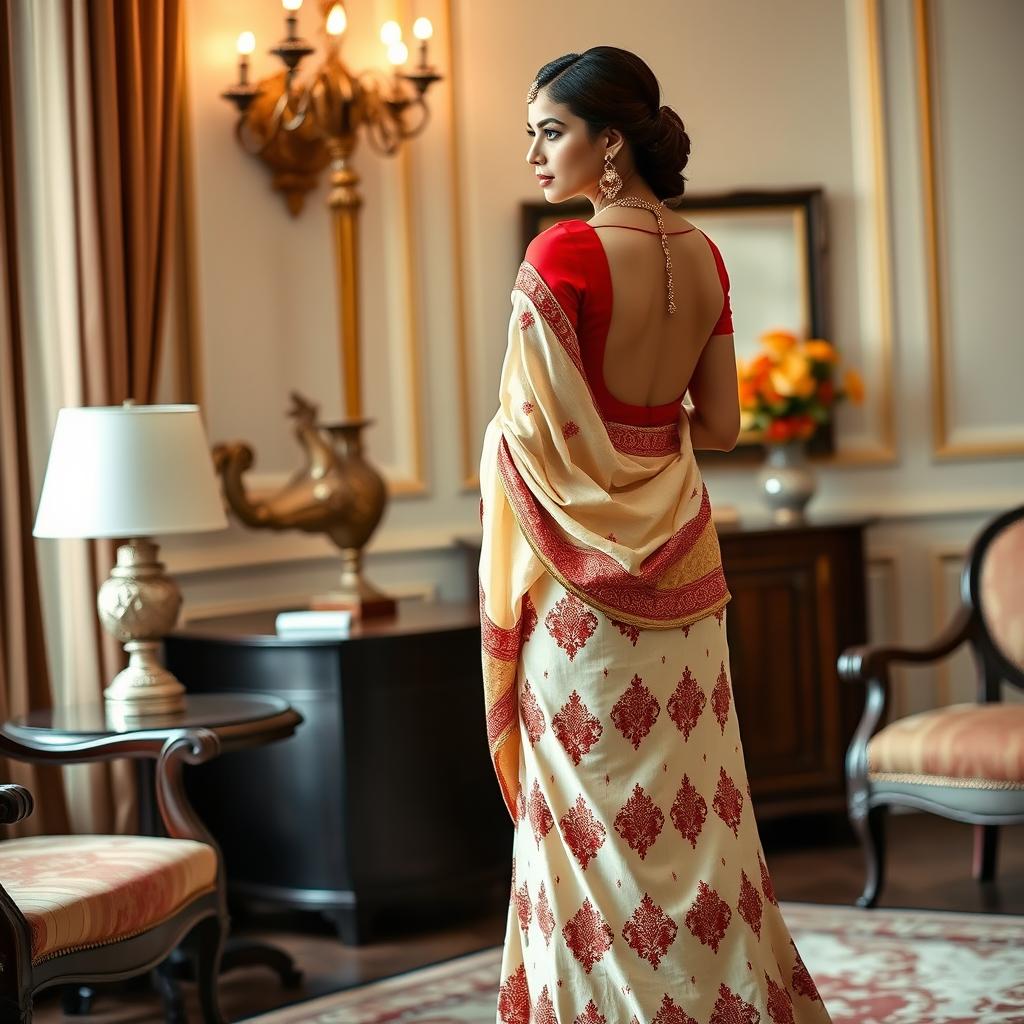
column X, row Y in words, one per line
column 570, row 258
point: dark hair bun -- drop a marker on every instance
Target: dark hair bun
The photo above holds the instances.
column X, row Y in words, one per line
column 663, row 154
column 609, row 86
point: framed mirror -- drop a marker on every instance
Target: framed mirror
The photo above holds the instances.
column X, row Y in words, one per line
column 775, row 248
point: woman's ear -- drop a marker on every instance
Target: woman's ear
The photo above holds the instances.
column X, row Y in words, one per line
column 615, row 140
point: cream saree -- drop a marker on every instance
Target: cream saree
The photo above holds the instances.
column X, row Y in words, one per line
column 640, row 893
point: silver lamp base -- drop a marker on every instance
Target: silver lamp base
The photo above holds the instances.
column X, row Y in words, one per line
column 145, row 687
column 138, row 605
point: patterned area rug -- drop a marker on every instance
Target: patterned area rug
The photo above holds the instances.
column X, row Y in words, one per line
column 870, row 966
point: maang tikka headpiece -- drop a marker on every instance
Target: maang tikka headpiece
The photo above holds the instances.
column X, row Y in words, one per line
column 532, row 93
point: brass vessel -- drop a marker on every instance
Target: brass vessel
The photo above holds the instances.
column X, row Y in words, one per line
column 336, row 492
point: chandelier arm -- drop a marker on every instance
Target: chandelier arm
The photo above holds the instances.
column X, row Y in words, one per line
column 274, row 122
column 301, row 110
column 389, row 140
column 420, row 105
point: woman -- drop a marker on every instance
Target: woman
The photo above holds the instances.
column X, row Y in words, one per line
column 639, row 888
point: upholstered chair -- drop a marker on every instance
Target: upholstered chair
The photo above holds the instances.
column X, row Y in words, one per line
column 102, row 908
column 963, row 761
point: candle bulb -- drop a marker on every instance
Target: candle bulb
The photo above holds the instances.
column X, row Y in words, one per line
column 245, row 45
column 423, row 30
column 398, row 53
column 337, row 21
column 292, row 20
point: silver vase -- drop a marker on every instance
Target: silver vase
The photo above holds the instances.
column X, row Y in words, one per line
column 787, row 481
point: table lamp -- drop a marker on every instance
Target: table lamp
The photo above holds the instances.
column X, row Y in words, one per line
column 131, row 472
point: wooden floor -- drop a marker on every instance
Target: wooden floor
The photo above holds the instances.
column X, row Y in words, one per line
column 813, row 860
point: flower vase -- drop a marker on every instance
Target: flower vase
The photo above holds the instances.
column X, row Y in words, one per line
column 787, row 481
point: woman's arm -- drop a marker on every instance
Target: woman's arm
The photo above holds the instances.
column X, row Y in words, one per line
column 715, row 413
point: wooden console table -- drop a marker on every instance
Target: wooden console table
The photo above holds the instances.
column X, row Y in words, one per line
column 385, row 806
column 798, row 600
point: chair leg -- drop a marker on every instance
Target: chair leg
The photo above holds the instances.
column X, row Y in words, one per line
column 986, row 843
column 167, row 987
column 17, row 1011
column 77, row 1000
column 870, row 829
column 209, row 935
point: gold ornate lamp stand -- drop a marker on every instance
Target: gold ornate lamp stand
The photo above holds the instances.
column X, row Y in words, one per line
column 297, row 131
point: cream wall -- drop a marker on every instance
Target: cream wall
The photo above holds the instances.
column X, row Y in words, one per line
column 795, row 93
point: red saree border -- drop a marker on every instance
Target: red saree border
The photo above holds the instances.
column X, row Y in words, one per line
column 599, row 580
column 644, row 441
column 534, row 287
column 497, row 641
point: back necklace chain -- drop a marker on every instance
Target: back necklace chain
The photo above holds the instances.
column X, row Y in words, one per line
column 655, row 208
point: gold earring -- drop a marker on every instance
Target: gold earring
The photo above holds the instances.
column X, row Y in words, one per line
column 610, row 182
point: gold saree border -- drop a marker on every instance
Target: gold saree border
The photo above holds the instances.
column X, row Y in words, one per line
column 500, row 662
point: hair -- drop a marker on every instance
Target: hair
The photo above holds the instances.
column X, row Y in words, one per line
column 613, row 88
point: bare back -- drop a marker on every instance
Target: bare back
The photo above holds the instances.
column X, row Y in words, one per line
column 650, row 356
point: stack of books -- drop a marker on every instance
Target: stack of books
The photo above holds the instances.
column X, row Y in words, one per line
column 313, row 625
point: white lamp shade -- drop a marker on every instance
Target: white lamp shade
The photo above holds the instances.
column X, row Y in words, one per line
column 129, row 471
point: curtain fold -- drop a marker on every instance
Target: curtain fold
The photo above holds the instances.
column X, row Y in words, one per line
column 125, row 89
column 97, row 97
column 126, row 56
column 24, row 671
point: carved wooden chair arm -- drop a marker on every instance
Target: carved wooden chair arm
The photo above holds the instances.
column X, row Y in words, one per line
column 16, row 804
column 871, row 661
column 869, row 664
column 169, row 750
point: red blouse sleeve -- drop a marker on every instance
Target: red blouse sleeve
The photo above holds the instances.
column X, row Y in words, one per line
column 724, row 324
column 553, row 254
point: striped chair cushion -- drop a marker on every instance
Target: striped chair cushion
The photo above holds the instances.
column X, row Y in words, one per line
column 961, row 744
column 78, row 891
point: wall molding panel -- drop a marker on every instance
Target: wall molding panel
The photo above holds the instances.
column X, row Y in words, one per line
column 467, row 450
column 945, row 443
column 883, row 573
column 870, row 154
column 946, row 563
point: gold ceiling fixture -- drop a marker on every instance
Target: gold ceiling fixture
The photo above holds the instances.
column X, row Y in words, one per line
column 297, row 129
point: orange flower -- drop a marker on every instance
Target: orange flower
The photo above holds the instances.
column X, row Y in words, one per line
column 853, row 385
column 778, row 343
column 819, row 350
column 793, row 376
column 779, row 430
column 768, row 392
column 748, row 392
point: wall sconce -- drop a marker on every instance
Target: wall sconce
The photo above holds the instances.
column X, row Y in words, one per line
column 297, row 130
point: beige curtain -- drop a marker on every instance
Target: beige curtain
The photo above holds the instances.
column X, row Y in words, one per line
column 24, row 673
column 97, row 91
column 125, row 109
column 125, row 77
